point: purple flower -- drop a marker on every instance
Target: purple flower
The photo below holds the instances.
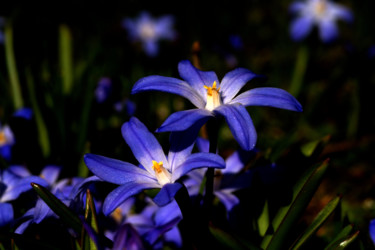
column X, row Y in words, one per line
column 322, row 13
column 372, row 230
column 155, row 171
column 149, row 31
column 213, row 98
column 103, row 89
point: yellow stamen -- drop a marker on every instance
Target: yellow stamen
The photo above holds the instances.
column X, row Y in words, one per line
column 320, row 7
column 3, row 139
column 213, row 97
column 161, row 174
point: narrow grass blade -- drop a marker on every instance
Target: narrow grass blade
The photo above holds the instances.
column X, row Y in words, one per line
column 343, row 234
column 343, row 242
column 66, row 58
column 90, row 217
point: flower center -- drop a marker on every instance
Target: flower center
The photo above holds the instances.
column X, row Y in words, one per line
column 162, row 175
column 213, row 97
column 3, row 139
column 147, row 31
column 320, row 7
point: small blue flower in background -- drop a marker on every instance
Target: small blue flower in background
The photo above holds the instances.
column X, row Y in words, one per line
column 6, row 142
column 155, row 171
column 212, row 98
column 25, row 113
column 125, row 105
column 2, row 23
column 149, row 31
column 322, row 13
column 372, row 230
column 103, row 89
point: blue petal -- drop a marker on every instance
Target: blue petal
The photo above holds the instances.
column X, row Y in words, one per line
column 155, row 234
column 301, row 27
column 115, row 171
column 143, row 144
column 170, row 85
column 6, row 152
column 167, row 213
column 328, row 31
column 25, row 113
column 6, row 214
column 198, row 160
column 19, row 170
column 182, row 143
column 182, row 120
column 167, row 193
column 233, row 81
column 203, row 145
column 372, row 230
column 21, row 186
column 236, row 161
column 197, row 78
column 123, row 192
column 271, row 97
column 164, row 27
column 41, row 211
column 127, row 238
column 229, row 200
column 296, row 7
column 51, row 173
column 240, row 124
column 151, row 47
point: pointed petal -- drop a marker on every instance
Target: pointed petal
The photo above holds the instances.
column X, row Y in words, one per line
column 301, row 27
column 182, row 120
column 151, row 47
column 240, row 124
column 233, row 81
column 143, row 144
column 167, row 193
column 123, row 192
column 115, row 171
column 170, row 85
column 6, row 214
column 328, row 30
column 341, row 12
column 22, row 185
column 296, row 7
column 41, row 211
column 153, row 235
column 228, row 199
column 50, row 173
column 198, row 160
column 182, row 143
column 271, row 97
column 236, row 161
column 197, row 78
column 127, row 238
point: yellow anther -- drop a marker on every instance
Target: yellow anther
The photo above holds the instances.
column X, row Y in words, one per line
column 209, row 89
column 3, row 139
column 157, row 166
column 213, row 97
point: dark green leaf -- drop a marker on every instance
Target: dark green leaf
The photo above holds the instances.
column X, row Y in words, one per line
column 343, row 242
column 229, row 241
column 343, row 234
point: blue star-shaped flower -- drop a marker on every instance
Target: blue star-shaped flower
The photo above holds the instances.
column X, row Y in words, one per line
column 322, row 13
column 156, row 170
column 149, row 31
column 213, row 98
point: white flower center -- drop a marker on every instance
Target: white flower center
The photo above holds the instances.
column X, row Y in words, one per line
column 320, row 8
column 147, row 31
column 162, row 175
column 213, row 97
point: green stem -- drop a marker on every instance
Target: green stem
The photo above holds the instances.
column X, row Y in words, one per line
column 11, row 65
column 66, row 58
column 299, row 71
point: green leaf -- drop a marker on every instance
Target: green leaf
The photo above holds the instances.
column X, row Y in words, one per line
column 57, row 206
column 66, row 58
column 343, row 242
column 228, row 241
column 343, row 234
column 288, row 215
column 309, row 148
column 317, row 222
column 264, row 220
column 90, row 217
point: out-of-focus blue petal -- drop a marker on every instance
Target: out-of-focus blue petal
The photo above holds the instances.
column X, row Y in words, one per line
column 203, row 145
column 115, row 171
column 182, row 120
column 197, row 78
column 372, row 230
column 19, row 170
column 6, row 152
column 25, row 113
column 301, row 27
column 166, row 213
column 41, row 211
column 342, row 12
column 51, row 173
column 233, row 81
column 167, row 193
column 271, row 97
column 151, row 47
column 154, row 234
column 182, row 143
column 174, row 236
column 143, row 144
column 296, row 7
column 82, row 186
column 123, row 192
column 21, row 186
column 198, row 160
column 328, row 31
column 237, row 160
column 127, row 238
column 164, row 28
column 170, row 85
column 228, row 199
column 6, row 214
column 21, row 228
column 240, row 124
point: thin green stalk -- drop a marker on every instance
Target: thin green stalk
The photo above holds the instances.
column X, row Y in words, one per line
column 11, row 66
column 66, row 58
column 299, row 70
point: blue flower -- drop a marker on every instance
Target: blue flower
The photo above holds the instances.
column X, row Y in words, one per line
column 156, row 170
column 213, row 98
column 322, row 13
column 103, row 89
column 149, row 31
column 6, row 142
column 372, row 230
